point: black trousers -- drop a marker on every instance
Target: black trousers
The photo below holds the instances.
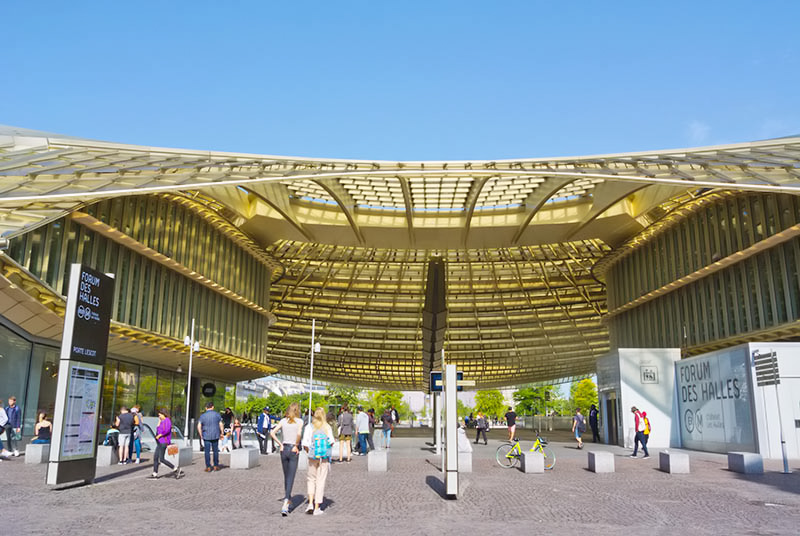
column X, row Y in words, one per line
column 262, row 443
column 160, row 457
column 289, row 463
column 478, row 435
column 595, row 434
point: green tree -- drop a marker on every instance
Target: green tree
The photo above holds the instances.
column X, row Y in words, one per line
column 381, row 400
column 534, row 400
column 583, row 394
column 340, row 395
column 490, row 403
column 462, row 409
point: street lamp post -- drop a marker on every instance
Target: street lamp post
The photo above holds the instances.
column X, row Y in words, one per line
column 314, row 347
column 193, row 347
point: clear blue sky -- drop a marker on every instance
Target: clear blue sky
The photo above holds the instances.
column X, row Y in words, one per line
column 404, row 80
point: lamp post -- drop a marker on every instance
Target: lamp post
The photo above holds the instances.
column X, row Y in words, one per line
column 193, row 347
column 314, row 347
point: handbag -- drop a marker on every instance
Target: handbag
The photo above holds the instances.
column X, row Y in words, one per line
column 172, row 450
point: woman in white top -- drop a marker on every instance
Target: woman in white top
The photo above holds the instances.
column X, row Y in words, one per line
column 318, row 464
column 291, row 427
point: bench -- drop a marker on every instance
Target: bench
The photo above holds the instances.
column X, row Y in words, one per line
column 532, row 462
column 673, row 462
column 601, row 462
column 378, row 461
column 37, row 453
column 748, row 463
column 244, row 458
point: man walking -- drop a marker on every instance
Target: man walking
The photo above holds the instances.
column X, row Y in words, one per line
column 262, row 429
column 593, row 424
column 639, row 426
column 209, row 426
column 578, row 427
column 14, row 425
column 362, row 429
column 511, row 422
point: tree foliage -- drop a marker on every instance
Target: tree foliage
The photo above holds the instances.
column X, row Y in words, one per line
column 583, row 394
column 535, row 400
column 463, row 409
column 490, row 403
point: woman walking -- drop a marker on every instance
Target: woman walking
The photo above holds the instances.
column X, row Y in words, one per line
column 290, row 427
column 317, row 440
column 386, row 426
column 163, row 439
column 345, row 431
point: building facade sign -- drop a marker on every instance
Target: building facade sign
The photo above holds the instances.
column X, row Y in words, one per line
column 715, row 402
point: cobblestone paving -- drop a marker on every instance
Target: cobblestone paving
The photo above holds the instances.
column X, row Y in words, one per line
column 406, row 500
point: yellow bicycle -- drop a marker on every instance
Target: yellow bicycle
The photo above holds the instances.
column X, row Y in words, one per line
column 508, row 454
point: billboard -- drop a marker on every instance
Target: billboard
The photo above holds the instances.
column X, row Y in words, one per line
column 715, row 402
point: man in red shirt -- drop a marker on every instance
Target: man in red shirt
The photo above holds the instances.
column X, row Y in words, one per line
column 638, row 420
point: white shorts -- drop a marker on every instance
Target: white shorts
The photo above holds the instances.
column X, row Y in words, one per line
column 124, row 440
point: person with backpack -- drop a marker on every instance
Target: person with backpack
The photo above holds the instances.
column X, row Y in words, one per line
column 387, row 425
column 639, row 426
column 578, row 427
column 481, row 426
column 646, row 431
column 317, row 441
column 345, row 431
column 290, row 427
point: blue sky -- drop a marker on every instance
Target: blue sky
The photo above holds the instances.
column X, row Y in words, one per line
column 404, row 80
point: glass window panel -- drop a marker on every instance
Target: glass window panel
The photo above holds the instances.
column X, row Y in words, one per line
column 127, row 381
column 109, row 403
column 164, row 395
column 179, row 400
column 147, row 391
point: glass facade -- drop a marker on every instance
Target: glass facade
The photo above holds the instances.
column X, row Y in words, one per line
column 149, row 295
column 750, row 295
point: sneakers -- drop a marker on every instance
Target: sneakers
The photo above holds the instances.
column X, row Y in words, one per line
column 4, row 454
column 318, row 512
column 310, row 508
column 178, row 473
column 153, row 476
column 208, row 469
column 138, row 460
column 16, row 453
column 645, row 456
column 633, row 456
column 285, row 509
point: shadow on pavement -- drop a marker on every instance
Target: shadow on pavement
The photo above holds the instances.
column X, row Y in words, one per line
column 436, row 485
column 125, row 472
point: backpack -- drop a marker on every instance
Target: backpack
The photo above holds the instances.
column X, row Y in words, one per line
column 320, row 445
column 646, row 426
column 582, row 424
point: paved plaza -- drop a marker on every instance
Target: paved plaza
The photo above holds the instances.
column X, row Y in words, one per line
column 637, row 499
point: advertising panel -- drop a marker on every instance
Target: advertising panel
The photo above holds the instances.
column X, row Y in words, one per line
column 79, row 434
column 715, row 402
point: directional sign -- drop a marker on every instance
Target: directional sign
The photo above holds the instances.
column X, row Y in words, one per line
column 437, row 383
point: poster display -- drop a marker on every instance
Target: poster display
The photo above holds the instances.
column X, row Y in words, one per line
column 715, row 402
column 79, row 435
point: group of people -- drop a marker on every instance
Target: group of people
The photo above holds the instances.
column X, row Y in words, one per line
column 355, row 432
column 11, row 424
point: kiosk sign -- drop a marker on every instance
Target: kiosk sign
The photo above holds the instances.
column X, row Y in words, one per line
column 83, row 354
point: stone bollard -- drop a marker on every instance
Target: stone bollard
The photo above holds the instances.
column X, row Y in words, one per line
column 748, row 463
column 183, row 458
column 532, row 462
column 244, row 458
column 37, row 453
column 464, row 462
column 673, row 462
column 378, row 461
column 601, row 462
column 106, row 456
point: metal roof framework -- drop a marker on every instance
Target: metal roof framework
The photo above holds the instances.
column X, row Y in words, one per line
column 520, row 238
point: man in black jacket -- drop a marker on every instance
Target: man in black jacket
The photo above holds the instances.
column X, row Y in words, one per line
column 593, row 424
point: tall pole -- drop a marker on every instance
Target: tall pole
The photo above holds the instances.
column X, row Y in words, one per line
column 776, row 379
column 189, row 387
column 311, row 375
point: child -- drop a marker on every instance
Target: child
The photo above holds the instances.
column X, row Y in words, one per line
column 112, row 437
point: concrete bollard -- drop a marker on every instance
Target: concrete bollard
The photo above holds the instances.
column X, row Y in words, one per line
column 106, row 456
column 673, row 462
column 748, row 463
column 183, row 458
column 464, row 462
column 532, row 462
column 378, row 461
column 601, row 462
column 37, row 453
column 244, row 458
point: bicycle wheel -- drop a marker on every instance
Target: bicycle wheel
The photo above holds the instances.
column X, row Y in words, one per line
column 549, row 458
column 505, row 458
